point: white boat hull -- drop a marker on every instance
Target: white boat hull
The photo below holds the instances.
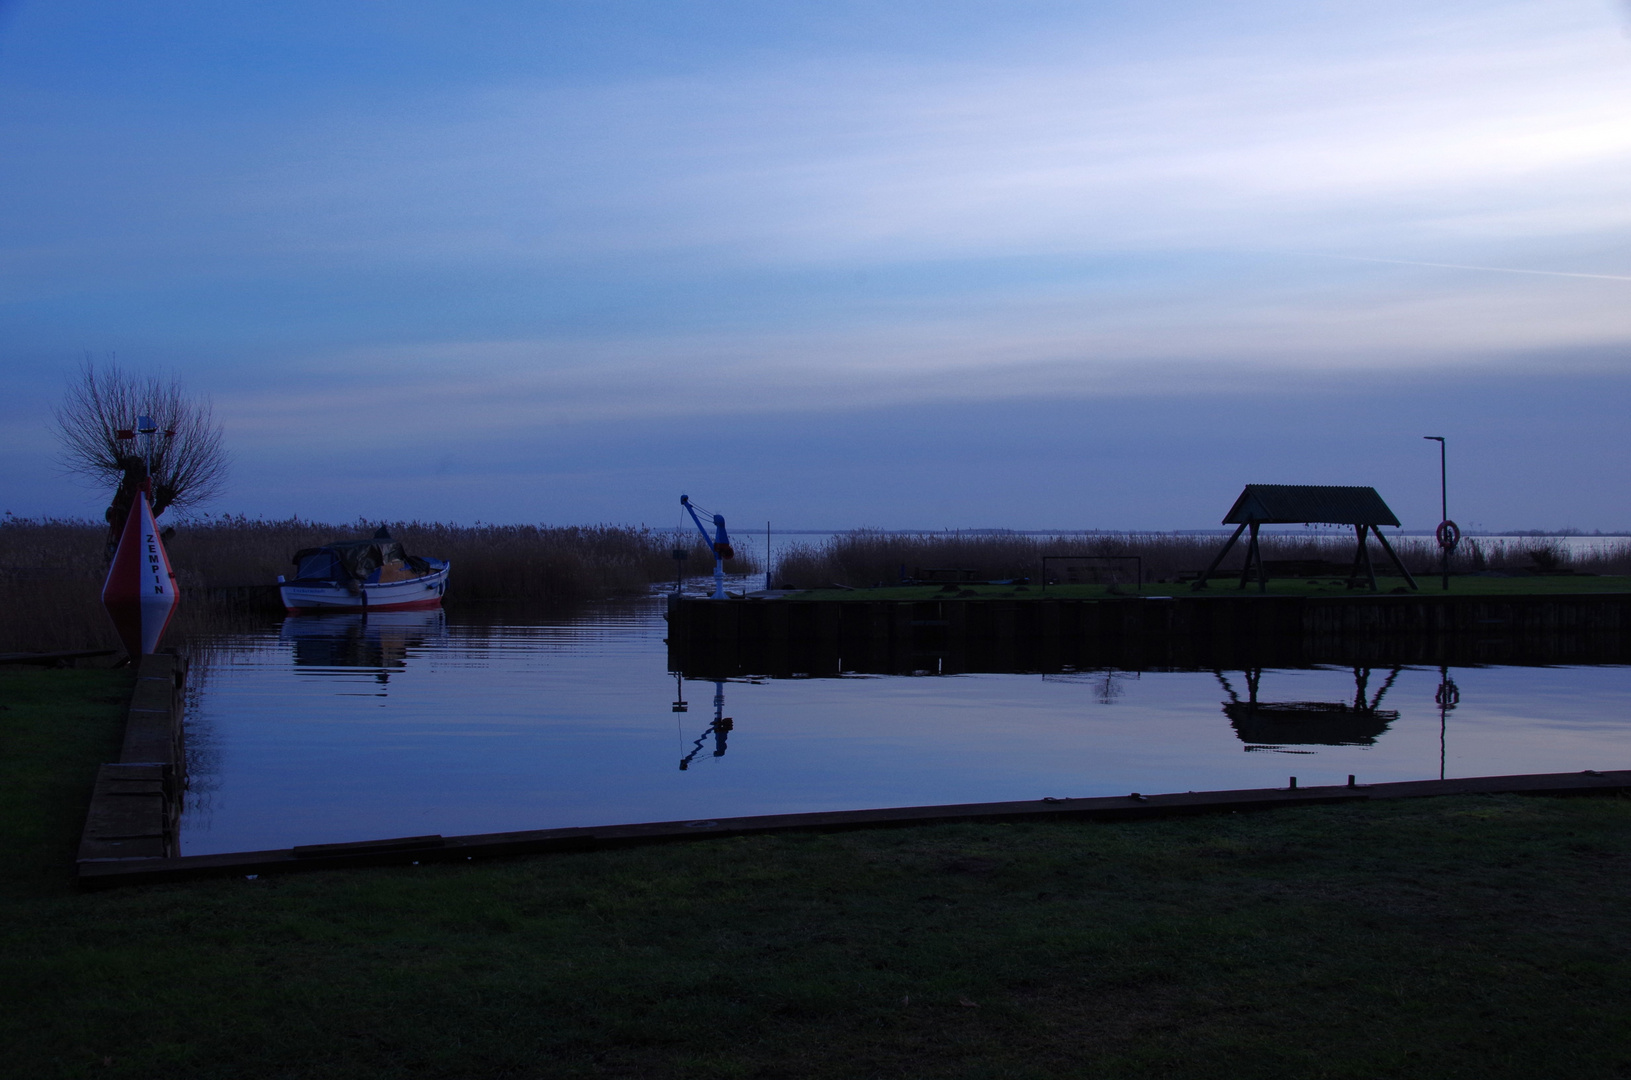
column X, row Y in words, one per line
column 410, row 594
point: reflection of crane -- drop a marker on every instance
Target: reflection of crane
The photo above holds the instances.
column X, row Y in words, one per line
column 719, row 542
column 1268, row 725
column 719, row 729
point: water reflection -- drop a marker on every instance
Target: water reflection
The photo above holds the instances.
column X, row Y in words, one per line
column 1276, row 725
column 1447, row 697
column 381, row 640
column 719, row 728
column 1107, row 685
column 1262, row 726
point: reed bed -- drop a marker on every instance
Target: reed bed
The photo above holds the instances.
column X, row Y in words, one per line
column 864, row 558
column 51, row 586
column 51, row 570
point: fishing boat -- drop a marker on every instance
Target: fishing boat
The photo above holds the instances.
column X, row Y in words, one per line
column 363, row 576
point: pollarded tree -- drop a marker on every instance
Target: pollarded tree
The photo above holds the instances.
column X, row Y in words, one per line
column 119, row 429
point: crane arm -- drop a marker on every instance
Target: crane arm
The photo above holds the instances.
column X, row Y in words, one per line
column 720, row 542
column 685, row 501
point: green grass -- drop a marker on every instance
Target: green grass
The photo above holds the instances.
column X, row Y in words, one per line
column 56, row 727
column 1472, row 937
column 1229, row 586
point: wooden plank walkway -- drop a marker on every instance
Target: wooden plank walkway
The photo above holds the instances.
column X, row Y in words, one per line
column 136, row 801
column 105, row 872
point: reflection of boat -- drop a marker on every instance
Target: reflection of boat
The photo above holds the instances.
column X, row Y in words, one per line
column 376, row 640
column 363, row 575
column 1266, row 725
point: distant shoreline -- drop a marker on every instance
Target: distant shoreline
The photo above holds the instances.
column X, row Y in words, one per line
column 1511, row 534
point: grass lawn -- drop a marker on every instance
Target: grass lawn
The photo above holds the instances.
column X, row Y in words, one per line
column 1470, row 937
column 1229, row 586
column 56, row 727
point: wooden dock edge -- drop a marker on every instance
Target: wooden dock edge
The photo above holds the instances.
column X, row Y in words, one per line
column 136, row 802
column 97, row 872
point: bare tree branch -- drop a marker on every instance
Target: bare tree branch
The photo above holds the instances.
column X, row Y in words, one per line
column 188, row 460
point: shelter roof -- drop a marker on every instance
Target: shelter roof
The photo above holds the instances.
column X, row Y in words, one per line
column 1287, row 504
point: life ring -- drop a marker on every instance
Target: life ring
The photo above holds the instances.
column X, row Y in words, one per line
column 1449, row 534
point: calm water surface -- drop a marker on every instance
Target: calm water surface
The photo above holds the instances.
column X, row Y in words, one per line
column 324, row 729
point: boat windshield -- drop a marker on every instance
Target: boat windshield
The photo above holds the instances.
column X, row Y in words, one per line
column 322, row 565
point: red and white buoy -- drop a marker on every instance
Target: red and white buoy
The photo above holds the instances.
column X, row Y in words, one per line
column 140, row 593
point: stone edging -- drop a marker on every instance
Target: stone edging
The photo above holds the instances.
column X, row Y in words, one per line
column 136, row 802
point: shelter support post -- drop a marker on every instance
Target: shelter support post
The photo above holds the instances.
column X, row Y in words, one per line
column 1200, row 582
column 1262, row 571
column 1362, row 560
column 1254, row 557
column 1387, row 547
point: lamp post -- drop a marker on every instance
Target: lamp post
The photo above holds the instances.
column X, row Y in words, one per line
column 1449, row 535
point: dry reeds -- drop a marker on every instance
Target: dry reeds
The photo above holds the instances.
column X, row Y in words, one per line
column 51, row 575
column 863, row 558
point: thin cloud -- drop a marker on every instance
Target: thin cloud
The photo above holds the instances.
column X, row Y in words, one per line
column 1489, row 269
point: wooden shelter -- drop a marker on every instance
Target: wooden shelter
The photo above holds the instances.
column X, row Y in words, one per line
column 1293, row 504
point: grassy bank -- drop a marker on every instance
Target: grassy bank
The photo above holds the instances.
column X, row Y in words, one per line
column 1476, row 937
column 56, row 727
column 51, row 571
column 863, row 559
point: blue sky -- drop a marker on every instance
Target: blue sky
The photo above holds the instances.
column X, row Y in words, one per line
column 838, row 264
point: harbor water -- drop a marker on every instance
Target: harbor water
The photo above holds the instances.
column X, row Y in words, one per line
column 339, row 728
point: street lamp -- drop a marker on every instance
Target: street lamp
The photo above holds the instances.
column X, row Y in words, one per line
column 1448, row 533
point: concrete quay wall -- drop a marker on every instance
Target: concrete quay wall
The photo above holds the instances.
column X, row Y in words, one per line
column 789, row 636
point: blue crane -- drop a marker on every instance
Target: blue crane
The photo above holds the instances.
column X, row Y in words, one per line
column 720, row 544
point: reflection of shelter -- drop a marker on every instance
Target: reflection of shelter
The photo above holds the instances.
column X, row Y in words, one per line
column 381, row 640
column 1307, row 504
column 1268, row 725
